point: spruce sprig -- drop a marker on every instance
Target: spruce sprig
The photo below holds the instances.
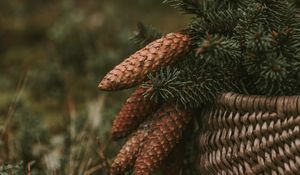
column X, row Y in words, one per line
column 189, row 6
column 190, row 83
column 145, row 34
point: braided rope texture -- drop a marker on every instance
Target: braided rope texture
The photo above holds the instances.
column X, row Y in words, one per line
column 250, row 135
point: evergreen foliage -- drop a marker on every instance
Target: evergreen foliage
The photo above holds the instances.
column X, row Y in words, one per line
column 145, row 34
column 245, row 46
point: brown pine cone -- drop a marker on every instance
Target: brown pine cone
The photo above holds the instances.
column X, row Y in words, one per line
column 155, row 55
column 135, row 110
column 166, row 132
column 127, row 155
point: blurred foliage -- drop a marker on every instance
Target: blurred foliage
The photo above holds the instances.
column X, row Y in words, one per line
column 52, row 55
column 6, row 169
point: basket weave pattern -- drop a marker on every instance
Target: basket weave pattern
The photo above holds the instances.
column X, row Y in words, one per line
column 250, row 135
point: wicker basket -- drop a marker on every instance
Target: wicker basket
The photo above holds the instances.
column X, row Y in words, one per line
column 250, row 135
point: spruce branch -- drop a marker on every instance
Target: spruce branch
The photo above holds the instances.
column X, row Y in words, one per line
column 188, row 6
column 277, row 13
column 162, row 82
column 190, row 86
column 145, row 34
column 222, row 22
column 216, row 22
column 234, row 4
column 219, row 51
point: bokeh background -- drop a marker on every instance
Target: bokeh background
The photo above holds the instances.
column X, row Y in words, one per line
column 53, row 53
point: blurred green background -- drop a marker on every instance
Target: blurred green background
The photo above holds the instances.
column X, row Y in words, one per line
column 53, row 53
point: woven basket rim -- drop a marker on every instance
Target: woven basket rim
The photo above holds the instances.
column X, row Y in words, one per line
column 260, row 103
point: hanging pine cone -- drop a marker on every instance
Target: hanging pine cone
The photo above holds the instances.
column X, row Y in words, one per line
column 155, row 55
column 127, row 155
column 135, row 110
column 167, row 131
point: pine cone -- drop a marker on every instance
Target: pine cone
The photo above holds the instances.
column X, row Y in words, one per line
column 135, row 110
column 127, row 155
column 167, row 131
column 134, row 69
